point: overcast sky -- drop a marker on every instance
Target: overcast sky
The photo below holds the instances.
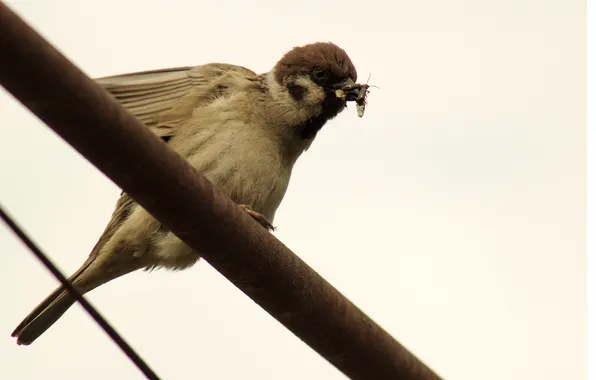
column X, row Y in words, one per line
column 453, row 213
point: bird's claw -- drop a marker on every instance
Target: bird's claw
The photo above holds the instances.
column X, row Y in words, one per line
column 258, row 217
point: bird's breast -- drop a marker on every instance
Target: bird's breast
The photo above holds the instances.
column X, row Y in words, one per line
column 242, row 161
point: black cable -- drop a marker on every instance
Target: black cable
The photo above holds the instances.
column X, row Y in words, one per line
column 125, row 347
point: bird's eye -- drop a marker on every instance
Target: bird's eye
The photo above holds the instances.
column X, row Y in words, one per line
column 320, row 76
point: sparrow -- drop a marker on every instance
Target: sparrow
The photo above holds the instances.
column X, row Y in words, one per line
column 243, row 131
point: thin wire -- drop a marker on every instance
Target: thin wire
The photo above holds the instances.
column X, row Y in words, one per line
column 125, row 347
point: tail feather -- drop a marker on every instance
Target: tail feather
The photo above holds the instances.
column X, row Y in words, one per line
column 43, row 316
column 45, row 304
column 91, row 275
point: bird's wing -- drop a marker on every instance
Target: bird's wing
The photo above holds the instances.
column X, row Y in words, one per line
column 161, row 99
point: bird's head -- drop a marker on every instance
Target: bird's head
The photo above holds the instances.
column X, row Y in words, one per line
column 316, row 80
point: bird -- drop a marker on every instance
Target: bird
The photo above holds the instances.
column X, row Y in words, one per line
column 242, row 130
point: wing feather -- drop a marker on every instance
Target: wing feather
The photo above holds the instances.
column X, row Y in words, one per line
column 157, row 96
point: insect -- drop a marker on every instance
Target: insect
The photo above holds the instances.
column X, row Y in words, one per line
column 360, row 98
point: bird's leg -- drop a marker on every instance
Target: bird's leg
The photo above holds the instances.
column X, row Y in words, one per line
column 258, row 217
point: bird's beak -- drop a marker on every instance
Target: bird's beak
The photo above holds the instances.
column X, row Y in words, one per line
column 347, row 89
column 344, row 82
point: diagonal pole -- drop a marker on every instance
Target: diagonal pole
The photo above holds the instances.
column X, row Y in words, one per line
column 96, row 125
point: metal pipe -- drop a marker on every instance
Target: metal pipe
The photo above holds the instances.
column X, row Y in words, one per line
column 96, row 125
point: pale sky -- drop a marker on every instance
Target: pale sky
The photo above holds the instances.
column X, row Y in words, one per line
column 453, row 213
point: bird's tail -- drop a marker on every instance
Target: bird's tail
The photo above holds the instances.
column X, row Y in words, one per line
column 87, row 278
column 43, row 316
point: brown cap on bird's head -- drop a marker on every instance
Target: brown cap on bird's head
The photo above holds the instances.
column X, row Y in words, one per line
column 330, row 69
column 325, row 55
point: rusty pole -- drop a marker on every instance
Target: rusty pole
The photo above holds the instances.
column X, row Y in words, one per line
column 96, row 125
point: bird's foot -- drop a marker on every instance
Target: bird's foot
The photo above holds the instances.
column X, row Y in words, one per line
column 258, row 217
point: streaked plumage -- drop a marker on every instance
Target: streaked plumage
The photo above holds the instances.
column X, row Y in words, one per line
column 243, row 131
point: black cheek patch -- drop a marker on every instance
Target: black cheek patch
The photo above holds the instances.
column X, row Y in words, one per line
column 297, row 92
